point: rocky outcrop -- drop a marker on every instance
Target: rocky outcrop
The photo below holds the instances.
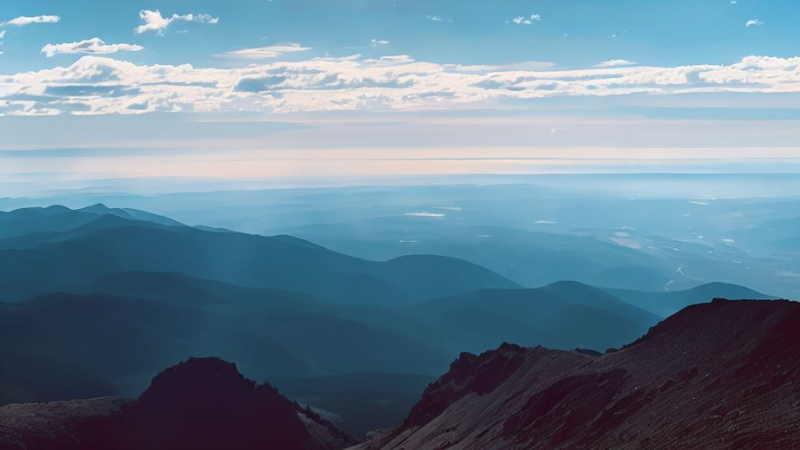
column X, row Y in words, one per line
column 202, row 403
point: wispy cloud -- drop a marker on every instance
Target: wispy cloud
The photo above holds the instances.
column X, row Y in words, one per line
column 425, row 214
column 378, row 43
column 616, row 63
column 753, row 23
column 434, row 18
column 94, row 46
column 154, row 21
column 28, row 20
column 268, row 52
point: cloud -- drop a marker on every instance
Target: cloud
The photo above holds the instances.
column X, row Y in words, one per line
column 2, row 34
column 425, row 214
column 154, row 21
column 24, row 20
column 434, row 18
column 377, row 43
column 616, row 63
column 272, row 51
column 522, row 20
column 94, row 46
column 753, row 23
column 99, row 85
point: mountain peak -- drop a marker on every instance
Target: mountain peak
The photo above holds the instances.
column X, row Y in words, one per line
column 207, row 403
column 198, row 377
column 98, row 208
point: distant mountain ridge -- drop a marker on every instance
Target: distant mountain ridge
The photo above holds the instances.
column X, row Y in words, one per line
column 665, row 304
column 562, row 315
column 110, row 243
column 59, row 218
column 270, row 334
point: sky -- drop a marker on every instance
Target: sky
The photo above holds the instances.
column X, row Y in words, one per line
column 346, row 88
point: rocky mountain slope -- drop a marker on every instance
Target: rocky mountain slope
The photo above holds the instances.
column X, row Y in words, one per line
column 724, row 375
column 203, row 403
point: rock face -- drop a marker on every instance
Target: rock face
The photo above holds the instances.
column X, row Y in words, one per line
column 76, row 424
column 724, row 375
column 198, row 404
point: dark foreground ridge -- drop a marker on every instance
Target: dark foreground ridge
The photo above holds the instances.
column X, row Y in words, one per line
column 203, row 403
column 724, row 375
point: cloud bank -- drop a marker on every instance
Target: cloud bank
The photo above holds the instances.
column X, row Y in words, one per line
column 100, row 85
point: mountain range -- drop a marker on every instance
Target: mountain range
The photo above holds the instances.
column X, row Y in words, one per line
column 111, row 243
column 284, row 309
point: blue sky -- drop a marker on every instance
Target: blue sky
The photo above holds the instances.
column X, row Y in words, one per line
column 418, row 74
column 654, row 32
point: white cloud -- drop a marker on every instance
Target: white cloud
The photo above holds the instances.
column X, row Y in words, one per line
column 94, row 46
column 154, row 21
column 377, row 43
column 616, row 63
column 24, row 20
column 434, row 18
column 522, row 20
column 425, row 214
column 98, row 85
column 272, row 51
column 2, row 34
column 753, row 23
